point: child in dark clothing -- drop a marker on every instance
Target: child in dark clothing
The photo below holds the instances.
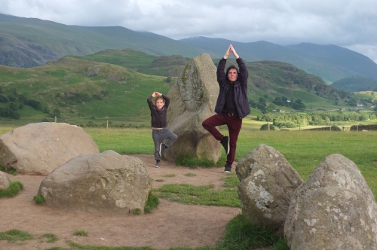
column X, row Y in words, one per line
column 158, row 122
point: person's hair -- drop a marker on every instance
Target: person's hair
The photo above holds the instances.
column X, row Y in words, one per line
column 159, row 97
column 229, row 68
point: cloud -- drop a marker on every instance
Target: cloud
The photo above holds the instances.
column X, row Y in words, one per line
column 351, row 24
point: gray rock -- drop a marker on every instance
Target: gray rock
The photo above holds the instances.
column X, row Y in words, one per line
column 267, row 184
column 38, row 148
column 107, row 183
column 192, row 100
column 334, row 209
column 4, row 181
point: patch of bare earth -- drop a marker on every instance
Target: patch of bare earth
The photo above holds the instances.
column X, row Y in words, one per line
column 170, row 225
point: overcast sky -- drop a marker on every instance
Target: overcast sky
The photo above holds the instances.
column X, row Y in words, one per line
column 348, row 23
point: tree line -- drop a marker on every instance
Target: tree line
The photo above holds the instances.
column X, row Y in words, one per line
column 283, row 120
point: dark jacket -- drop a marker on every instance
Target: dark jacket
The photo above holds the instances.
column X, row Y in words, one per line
column 240, row 88
column 158, row 116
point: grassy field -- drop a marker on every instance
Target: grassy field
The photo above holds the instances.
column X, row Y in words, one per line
column 304, row 150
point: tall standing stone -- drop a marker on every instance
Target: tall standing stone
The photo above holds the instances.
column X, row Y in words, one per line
column 192, row 100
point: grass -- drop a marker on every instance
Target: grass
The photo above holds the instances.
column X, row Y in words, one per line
column 39, row 199
column 80, row 233
column 15, row 235
column 199, row 195
column 152, row 202
column 169, row 175
column 14, row 188
column 304, row 150
column 50, row 237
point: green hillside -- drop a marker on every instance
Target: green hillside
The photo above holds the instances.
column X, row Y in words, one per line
column 356, row 84
column 113, row 85
column 266, row 78
column 77, row 90
column 141, row 62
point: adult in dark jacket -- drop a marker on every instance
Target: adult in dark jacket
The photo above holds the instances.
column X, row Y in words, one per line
column 158, row 122
column 232, row 105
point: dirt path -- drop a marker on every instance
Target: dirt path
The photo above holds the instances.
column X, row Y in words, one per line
column 170, row 225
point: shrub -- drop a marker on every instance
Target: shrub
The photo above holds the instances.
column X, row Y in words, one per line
column 152, row 202
column 265, row 127
column 14, row 188
column 39, row 199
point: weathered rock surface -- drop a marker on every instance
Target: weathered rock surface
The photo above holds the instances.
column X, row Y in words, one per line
column 38, row 148
column 267, row 184
column 107, row 183
column 4, row 181
column 334, row 209
column 192, row 100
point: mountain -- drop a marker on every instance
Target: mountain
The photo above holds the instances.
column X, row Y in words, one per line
column 29, row 42
column 330, row 62
column 356, row 84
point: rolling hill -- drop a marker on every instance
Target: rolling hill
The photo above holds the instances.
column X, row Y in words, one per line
column 98, row 87
column 356, row 84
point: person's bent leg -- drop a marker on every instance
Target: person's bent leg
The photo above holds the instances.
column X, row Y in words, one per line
column 170, row 136
column 211, row 123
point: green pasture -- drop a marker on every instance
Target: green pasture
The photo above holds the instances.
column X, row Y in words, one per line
column 304, row 150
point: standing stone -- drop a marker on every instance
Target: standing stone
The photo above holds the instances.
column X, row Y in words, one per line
column 192, row 100
column 334, row 209
column 38, row 148
column 4, row 181
column 107, row 183
column 267, row 184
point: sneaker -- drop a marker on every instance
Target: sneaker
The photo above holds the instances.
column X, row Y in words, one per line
column 225, row 143
column 228, row 168
column 158, row 164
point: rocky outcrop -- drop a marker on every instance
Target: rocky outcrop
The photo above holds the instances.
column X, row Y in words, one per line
column 107, row 183
column 267, row 184
column 334, row 209
column 192, row 100
column 38, row 148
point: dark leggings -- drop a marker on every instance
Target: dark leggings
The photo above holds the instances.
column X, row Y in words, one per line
column 234, row 124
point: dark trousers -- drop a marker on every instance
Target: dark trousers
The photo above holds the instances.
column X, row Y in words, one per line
column 234, row 124
column 162, row 136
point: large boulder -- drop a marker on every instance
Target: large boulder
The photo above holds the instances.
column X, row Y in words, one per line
column 38, row 148
column 4, row 181
column 107, row 183
column 334, row 209
column 267, row 184
column 192, row 100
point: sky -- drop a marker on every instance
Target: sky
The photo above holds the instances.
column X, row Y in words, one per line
column 348, row 23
